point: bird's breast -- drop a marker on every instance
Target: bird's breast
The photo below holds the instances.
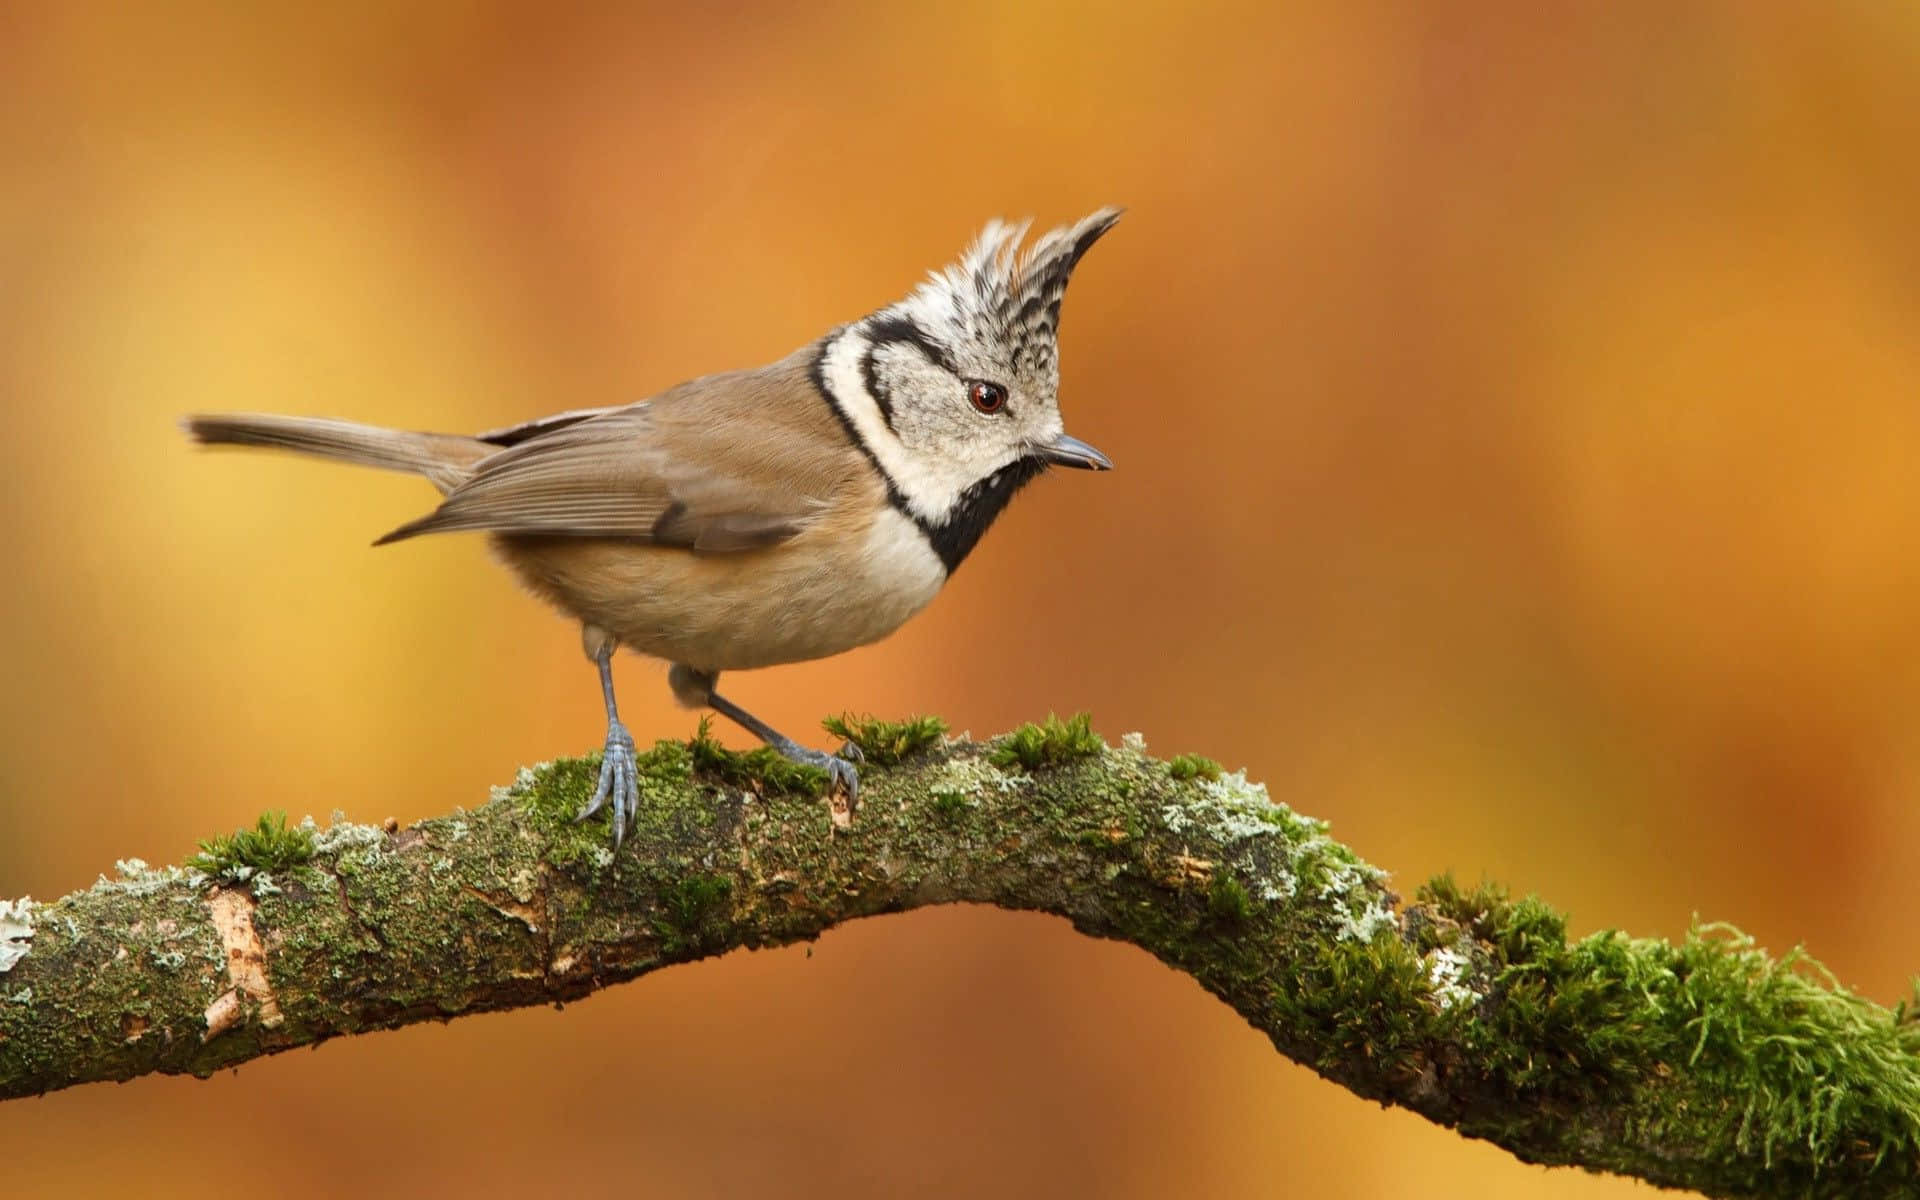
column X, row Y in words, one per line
column 839, row 584
column 838, row 593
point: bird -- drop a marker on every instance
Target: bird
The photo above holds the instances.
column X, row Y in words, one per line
column 757, row 517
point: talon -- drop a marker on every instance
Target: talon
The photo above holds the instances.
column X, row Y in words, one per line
column 851, row 752
column 618, row 788
column 843, row 777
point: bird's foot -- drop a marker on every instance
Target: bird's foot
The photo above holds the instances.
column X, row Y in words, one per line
column 619, row 786
column 842, row 777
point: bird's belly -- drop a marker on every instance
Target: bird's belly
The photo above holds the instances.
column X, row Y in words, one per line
column 821, row 593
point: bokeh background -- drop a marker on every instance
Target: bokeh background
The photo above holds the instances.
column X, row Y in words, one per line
column 1516, row 409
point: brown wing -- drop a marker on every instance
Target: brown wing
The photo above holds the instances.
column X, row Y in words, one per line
column 513, row 435
column 726, row 463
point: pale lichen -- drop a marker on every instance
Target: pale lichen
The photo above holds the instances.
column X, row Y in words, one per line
column 1446, row 969
column 1240, row 814
column 138, row 879
column 523, row 782
column 972, row 774
column 16, row 931
column 343, row 835
column 1280, row 886
column 1359, row 910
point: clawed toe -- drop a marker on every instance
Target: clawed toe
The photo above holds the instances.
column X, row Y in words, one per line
column 842, row 775
column 619, row 786
column 844, row 778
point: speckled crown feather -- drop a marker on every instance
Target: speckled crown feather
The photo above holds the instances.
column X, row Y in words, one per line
column 999, row 295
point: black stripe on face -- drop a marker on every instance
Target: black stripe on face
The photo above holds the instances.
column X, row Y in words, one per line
column 899, row 331
column 870, row 378
column 817, row 373
column 955, row 537
column 906, row 329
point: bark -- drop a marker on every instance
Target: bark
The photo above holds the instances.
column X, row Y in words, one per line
column 1701, row 1064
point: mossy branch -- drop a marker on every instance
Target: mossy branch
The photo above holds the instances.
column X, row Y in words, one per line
column 1704, row 1064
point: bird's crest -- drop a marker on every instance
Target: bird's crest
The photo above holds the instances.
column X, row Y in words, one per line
column 1001, row 295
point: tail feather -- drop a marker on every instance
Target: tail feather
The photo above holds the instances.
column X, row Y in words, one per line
column 445, row 459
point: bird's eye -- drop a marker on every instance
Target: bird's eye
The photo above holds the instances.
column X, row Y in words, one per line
column 987, row 397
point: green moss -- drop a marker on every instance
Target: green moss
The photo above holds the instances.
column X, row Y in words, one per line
column 762, row 768
column 1360, row 1004
column 268, row 846
column 1522, row 930
column 555, row 792
column 558, row 791
column 691, row 912
column 887, row 743
column 1907, row 1011
column 1579, row 1023
column 1228, row 901
column 1113, row 835
column 950, row 805
column 1611, row 1023
column 1185, row 767
column 1047, row 744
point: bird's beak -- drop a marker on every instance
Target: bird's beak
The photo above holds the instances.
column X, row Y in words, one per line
column 1066, row 451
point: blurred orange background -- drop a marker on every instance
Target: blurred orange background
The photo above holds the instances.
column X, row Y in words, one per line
column 1515, row 405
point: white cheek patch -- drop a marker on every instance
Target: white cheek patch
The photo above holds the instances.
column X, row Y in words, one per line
column 930, row 487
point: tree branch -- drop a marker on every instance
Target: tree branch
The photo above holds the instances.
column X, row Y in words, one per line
column 1703, row 1064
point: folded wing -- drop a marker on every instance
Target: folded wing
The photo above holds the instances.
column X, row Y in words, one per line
column 703, row 470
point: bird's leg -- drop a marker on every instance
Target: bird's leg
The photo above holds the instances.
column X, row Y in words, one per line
column 619, row 786
column 695, row 689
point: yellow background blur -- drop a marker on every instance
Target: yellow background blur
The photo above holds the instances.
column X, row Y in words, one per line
column 1516, row 409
